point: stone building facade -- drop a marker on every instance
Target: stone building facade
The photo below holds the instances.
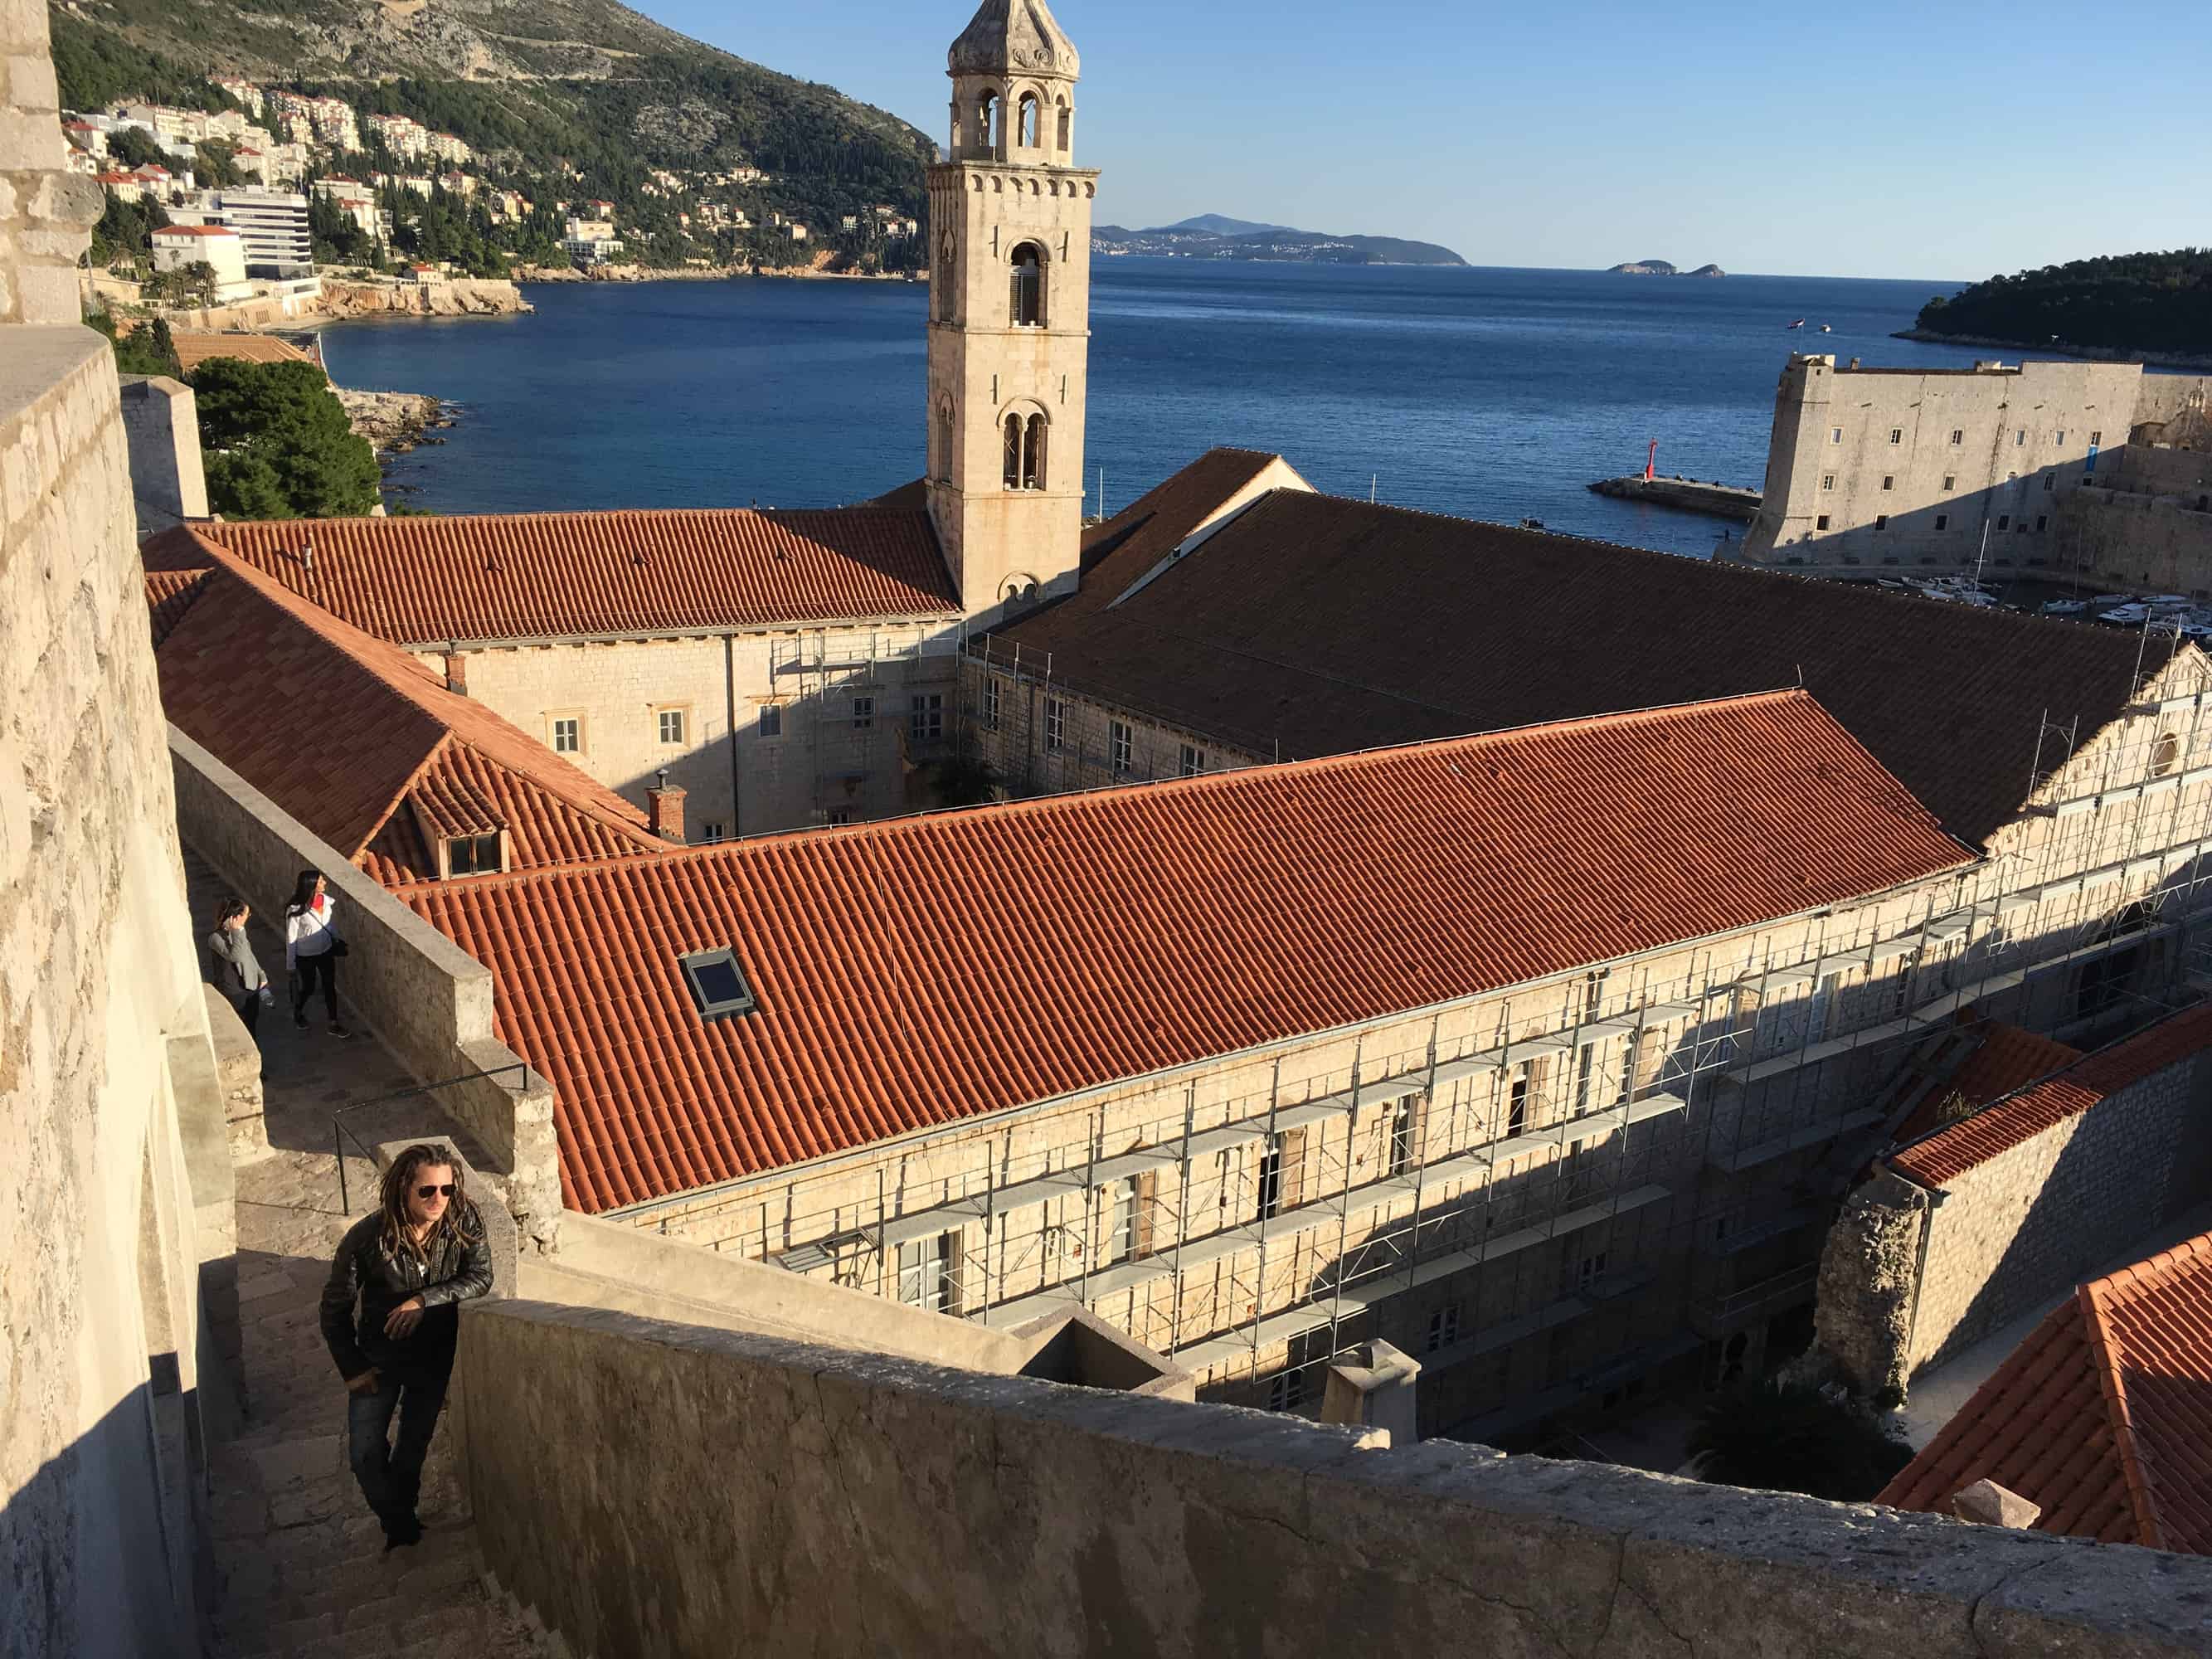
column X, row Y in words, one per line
column 1877, row 469
column 103, row 1029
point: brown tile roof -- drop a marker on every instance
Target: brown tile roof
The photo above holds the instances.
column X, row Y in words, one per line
column 1324, row 625
column 1947, row 1154
column 193, row 350
column 426, row 580
column 2003, row 1059
column 2103, row 1415
column 363, row 743
column 1109, row 934
column 170, row 594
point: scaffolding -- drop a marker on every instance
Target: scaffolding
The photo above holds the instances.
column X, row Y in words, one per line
column 852, row 699
column 1630, row 1161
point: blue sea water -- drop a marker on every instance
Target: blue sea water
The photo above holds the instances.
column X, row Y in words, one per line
column 1487, row 393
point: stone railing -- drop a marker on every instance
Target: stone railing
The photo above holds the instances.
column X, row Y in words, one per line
column 426, row 998
column 656, row 1491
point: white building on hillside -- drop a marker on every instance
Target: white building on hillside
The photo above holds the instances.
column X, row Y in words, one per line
column 177, row 246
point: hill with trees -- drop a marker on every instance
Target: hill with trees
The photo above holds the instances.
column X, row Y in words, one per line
column 2155, row 304
column 1211, row 236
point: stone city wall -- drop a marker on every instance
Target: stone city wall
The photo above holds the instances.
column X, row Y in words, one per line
column 2129, row 541
column 100, row 1522
column 660, row 1491
column 429, row 1002
column 1912, row 1276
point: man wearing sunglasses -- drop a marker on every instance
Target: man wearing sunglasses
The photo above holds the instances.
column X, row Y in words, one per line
column 408, row 1267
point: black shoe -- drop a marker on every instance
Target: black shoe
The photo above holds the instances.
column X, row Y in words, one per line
column 400, row 1537
column 338, row 1030
column 300, row 1020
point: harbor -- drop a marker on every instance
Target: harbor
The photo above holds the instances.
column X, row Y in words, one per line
column 1714, row 500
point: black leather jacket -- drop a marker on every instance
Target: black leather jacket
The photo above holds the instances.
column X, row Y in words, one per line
column 363, row 1270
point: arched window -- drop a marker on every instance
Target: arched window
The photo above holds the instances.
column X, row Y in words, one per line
column 944, row 437
column 1029, row 123
column 987, row 121
column 1067, row 127
column 1018, row 590
column 1027, row 308
column 1033, row 455
column 2164, row 754
column 941, row 280
column 1013, row 452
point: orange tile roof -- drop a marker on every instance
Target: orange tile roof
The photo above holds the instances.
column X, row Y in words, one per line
column 193, row 350
column 1313, row 625
column 923, row 970
column 195, row 230
column 361, row 742
column 170, row 594
column 2103, row 1415
column 1948, row 1153
column 427, row 579
column 2005, row 1058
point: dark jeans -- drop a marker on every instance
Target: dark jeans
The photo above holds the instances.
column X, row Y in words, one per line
column 391, row 1471
column 306, row 971
column 249, row 1009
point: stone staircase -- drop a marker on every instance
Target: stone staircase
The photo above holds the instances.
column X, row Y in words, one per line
column 299, row 1560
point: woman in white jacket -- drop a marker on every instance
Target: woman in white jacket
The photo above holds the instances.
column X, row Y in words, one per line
column 312, row 949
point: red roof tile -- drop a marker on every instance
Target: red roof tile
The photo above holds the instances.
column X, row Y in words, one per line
column 1948, row 1153
column 193, row 350
column 170, row 594
column 2103, row 1415
column 426, row 580
column 1314, row 625
column 361, row 742
column 2005, row 1058
column 1107, row 935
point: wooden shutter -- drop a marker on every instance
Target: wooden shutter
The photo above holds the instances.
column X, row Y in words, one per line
column 1293, row 1189
column 1147, row 1190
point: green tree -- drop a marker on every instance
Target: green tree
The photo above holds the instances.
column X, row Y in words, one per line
column 147, row 350
column 125, row 230
column 129, row 148
column 212, row 165
column 1793, row 1437
column 278, row 443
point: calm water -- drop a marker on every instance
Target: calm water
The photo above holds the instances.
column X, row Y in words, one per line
column 1491, row 393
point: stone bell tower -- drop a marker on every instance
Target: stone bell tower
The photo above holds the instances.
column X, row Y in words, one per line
column 1010, row 313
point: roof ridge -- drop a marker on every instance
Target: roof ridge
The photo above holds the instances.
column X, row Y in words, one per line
column 2103, row 1349
column 405, row 791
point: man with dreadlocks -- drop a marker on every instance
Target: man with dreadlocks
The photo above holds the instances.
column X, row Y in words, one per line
column 409, row 1266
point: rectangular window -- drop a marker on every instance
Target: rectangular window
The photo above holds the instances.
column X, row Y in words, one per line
column 1827, row 481
column 1889, row 481
column 771, row 720
column 1897, row 435
column 1516, row 1111
column 993, row 701
column 1286, row 1391
column 473, row 855
column 924, row 1272
column 1942, row 522
column 925, row 719
column 2020, row 438
column 1835, row 435
column 714, row 830
column 569, row 735
column 1592, row 1269
column 2050, row 480
column 1271, row 1177
column 1401, row 1137
column 1950, row 482
column 1444, row 1327
column 1958, row 436
column 2060, row 436
column 1882, row 521
column 2096, row 438
column 2004, row 520
column 864, row 714
column 1820, row 523
column 1191, row 761
column 1055, row 723
column 2041, row 521
column 1125, row 747
column 671, row 725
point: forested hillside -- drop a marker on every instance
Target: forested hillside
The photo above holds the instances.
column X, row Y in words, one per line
column 2147, row 302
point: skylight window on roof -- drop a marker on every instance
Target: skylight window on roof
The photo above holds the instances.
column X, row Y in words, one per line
column 717, row 983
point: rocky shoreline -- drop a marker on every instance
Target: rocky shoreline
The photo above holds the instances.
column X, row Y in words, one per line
column 393, row 422
column 2051, row 349
column 460, row 296
column 700, row 274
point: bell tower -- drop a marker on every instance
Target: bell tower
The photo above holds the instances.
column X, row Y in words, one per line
column 1009, row 314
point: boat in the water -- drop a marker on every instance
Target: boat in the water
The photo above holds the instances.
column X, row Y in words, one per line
column 1824, row 329
column 1799, row 323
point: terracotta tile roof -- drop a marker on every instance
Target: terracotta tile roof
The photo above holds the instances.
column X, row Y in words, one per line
column 1945, row 1156
column 1324, row 625
column 193, row 350
column 170, row 594
column 426, row 580
column 2005, row 1058
column 194, row 230
column 361, row 742
column 1109, row 934
column 2103, row 1416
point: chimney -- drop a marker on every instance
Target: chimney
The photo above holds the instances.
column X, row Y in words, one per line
column 457, row 673
column 664, row 809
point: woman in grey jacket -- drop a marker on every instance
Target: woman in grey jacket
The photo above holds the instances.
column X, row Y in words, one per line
column 232, row 968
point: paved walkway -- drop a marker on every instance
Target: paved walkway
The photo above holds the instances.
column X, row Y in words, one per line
column 300, row 1560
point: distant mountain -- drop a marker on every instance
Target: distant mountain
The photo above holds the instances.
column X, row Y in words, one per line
column 1213, row 236
column 1660, row 268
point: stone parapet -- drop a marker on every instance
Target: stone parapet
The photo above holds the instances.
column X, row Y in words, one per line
column 238, row 1077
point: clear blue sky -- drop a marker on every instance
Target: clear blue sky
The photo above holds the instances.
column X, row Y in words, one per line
column 1940, row 139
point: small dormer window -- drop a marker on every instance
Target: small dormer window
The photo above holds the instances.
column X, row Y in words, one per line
column 717, row 983
column 475, row 856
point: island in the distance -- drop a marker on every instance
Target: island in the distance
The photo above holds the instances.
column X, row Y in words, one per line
column 1660, row 268
column 1211, row 236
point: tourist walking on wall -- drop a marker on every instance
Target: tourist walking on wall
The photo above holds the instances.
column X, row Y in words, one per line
column 312, row 947
column 409, row 1267
column 232, row 969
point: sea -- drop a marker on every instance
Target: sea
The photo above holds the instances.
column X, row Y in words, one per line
column 1486, row 392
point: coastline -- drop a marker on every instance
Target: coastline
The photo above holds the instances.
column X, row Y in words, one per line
column 2086, row 353
column 560, row 275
